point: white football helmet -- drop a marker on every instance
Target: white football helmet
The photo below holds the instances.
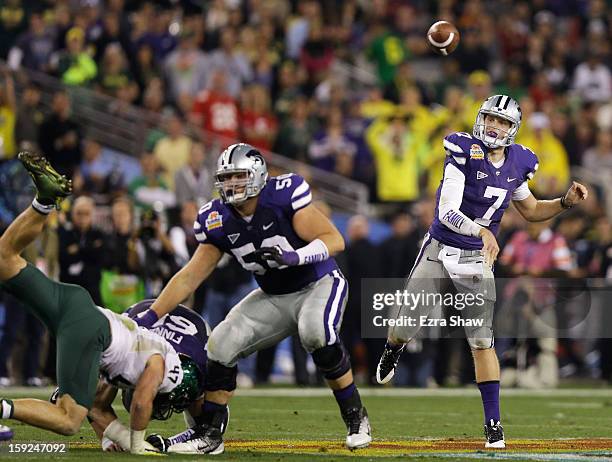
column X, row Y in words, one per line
column 501, row 106
column 246, row 161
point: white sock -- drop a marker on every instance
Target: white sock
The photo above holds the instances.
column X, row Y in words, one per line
column 6, row 409
column 42, row 208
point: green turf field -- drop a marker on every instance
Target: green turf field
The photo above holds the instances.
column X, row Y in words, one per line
column 426, row 425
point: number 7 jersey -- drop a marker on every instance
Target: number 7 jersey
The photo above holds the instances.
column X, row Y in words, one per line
column 488, row 189
column 271, row 225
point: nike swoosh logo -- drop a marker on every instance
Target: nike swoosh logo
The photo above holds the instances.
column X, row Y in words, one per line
column 451, row 254
column 510, row 179
column 429, row 259
column 265, row 227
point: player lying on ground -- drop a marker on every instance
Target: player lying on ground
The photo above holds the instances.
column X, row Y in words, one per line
column 188, row 333
column 483, row 172
column 271, row 228
column 90, row 340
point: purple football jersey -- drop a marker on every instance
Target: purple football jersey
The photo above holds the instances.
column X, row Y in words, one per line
column 183, row 328
column 488, row 189
column 271, row 224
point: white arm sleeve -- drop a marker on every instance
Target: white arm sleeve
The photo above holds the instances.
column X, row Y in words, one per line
column 521, row 193
column 451, row 197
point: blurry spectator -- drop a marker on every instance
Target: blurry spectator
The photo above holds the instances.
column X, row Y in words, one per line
column 399, row 251
column 194, row 181
column 30, row 115
column 593, row 80
column 362, row 260
column 112, row 32
column 8, row 115
column 33, row 48
column 154, row 97
column 317, row 54
column 81, row 249
column 599, row 157
column 513, row 84
column 331, row 149
column 479, row 89
column 13, row 20
column 299, row 27
column 231, row 62
column 146, row 66
column 472, row 55
column 216, row 111
column 73, row 64
column 540, row 90
column 172, row 151
column 121, row 285
column 404, row 78
column 537, row 252
column 387, row 50
column 99, row 172
column 114, row 73
column 59, row 137
column 296, row 132
column 150, row 188
column 288, row 89
column 417, row 116
column 553, row 173
column 17, row 322
column 398, row 154
column 156, row 32
column 187, row 68
column 182, row 236
column 156, row 252
column 259, row 123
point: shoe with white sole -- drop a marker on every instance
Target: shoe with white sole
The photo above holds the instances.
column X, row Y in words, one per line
column 359, row 433
column 5, row 433
column 494, row 433
column 206, row 440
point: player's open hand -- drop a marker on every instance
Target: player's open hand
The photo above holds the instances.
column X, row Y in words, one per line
column 576, row 193
column 490, row 248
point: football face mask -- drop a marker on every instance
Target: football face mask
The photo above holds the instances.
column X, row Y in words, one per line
column 233, row 186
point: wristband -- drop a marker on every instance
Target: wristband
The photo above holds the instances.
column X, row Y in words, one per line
column 137, row 440
column 146, row 318
column 118, row 433
column 314, row 252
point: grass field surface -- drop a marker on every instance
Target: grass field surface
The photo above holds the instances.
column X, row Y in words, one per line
column 425, row 425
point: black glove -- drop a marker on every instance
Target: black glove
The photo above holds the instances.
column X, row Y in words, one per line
column 158, row 442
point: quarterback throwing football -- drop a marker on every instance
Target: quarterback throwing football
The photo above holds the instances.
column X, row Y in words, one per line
column 483, row 172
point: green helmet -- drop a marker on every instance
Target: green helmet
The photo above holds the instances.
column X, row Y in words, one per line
column 185, row 393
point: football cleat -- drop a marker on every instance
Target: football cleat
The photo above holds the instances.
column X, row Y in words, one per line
column 5, row 433
column 387, row 363
column 494, row 433
column 359, row 433
column 206, row 440
column 51, row 187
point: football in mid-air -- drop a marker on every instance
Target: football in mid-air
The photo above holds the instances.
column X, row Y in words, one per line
column 443, row 37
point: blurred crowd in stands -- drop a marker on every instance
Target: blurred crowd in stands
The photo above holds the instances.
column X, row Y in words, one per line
column 268, row 72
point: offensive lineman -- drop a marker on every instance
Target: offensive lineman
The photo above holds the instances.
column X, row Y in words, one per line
column 90, row 339
column 273, row 230
column 483, row 172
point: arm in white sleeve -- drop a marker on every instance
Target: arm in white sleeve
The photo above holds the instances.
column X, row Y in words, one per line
column 450, row 202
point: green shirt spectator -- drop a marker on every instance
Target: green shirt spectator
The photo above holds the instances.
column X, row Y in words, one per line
column 75, row 66
column 387, row 51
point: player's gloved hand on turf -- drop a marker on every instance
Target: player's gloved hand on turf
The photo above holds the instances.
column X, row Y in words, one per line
column 147, row 318
column 278, row 255
column 158, row 442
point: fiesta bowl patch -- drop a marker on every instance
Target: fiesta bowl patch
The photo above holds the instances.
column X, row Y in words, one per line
column 214, row 220
column 476, row 152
